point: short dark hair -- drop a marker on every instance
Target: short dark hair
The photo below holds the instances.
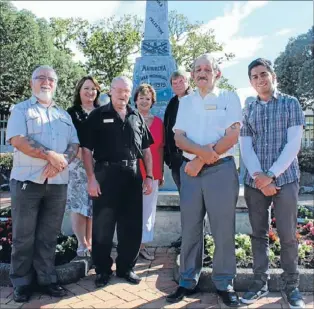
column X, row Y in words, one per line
column 177, row 74
column 145, row 89
column 77, row 98
column 260, row 61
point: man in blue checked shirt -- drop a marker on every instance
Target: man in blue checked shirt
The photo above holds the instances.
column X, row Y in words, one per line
column 45, row 142
column 270, row 140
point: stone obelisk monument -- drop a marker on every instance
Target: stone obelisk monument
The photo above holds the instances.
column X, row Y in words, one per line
column 156, row 63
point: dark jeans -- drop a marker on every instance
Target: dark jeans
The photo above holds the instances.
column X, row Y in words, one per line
column 37, row 213
column 119, row 204
column 285, row 203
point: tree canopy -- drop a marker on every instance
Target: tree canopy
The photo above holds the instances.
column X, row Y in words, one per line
column 190, row 40
column 107, row 45
column 26, row 42
column 295, row 69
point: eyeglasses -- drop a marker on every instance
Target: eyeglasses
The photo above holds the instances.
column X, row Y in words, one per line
column 122, row 91
column 43, row 78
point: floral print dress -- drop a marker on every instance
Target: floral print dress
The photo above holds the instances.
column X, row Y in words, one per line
column 78, row 200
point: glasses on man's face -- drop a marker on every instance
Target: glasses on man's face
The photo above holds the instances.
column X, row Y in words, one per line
column 43, row 78
column 122, row 91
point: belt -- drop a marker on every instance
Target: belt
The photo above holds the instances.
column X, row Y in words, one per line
column 117, row 163
column 218, row 162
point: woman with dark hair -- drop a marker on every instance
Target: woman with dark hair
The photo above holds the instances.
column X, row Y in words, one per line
column 86, row 97
column 144, row 98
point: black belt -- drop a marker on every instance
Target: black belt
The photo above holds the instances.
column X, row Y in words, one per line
column 118, row 163
column 218, row 162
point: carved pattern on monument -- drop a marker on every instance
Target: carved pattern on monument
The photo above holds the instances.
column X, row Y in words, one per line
column 155, row 47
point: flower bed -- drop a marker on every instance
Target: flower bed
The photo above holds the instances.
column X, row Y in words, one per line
column 65, row 249
column 305, row 236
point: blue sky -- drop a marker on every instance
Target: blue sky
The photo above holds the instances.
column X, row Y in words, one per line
column 250, row 29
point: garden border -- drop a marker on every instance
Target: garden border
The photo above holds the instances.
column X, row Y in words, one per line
column 245, row 276
column 66, row 273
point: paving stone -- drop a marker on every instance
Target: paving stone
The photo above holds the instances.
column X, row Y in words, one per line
column 150, row 293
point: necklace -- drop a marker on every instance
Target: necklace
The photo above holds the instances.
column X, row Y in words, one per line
column 87, row 111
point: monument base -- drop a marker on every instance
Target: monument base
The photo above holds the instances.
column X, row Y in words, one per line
column 168, row 221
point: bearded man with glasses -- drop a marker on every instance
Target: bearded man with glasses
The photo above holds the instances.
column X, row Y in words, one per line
column 45, row 142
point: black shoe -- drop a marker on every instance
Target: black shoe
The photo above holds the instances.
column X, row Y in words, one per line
column 54, row 290
column 229, row 298
column 179, row 294
column 102, row 280
column 130, row 276
column 177, row 243
column 22, row 294
column 295, row 298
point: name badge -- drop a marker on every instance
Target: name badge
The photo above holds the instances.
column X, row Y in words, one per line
column 107, row 120
column 210, row 107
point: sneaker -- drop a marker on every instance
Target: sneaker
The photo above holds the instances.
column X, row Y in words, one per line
column 255, row 292
column 144, row 253
column 294, row 298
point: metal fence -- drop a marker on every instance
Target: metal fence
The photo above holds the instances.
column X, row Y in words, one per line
column 3, row 128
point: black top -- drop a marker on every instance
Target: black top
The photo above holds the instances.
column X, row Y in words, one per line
column 112, row 139
column 78, row 116
column 172, row 154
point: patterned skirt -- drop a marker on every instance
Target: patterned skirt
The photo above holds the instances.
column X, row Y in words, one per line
column 77, row 199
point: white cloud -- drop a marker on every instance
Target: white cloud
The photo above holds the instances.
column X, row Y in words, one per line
column 246, row 93
column 284, row 31
column 226, row 28
column 91, row 10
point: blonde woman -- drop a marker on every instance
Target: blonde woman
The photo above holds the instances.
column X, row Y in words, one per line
column 144, row 98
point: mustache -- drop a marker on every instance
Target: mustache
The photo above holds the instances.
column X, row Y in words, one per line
column 202, row 78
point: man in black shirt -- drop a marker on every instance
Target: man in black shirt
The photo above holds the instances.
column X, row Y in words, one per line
column 116, row 136
column 172, row 154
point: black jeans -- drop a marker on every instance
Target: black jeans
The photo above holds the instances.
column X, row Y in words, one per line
column 37, row 213
column 121, row 204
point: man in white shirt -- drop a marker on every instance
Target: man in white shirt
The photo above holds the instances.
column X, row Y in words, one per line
column 270, row 141
column 207, row 128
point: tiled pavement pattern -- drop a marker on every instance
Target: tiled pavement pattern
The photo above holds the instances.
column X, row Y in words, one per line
column 157, row 281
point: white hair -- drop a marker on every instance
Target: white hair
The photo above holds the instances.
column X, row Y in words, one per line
column 44, row 67
column 124, row 79
column 211, row 60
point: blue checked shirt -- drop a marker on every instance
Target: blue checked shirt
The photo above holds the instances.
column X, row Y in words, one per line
column 268, row 124
column 51, row 127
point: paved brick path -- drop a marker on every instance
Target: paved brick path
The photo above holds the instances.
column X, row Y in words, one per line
column 150, row 293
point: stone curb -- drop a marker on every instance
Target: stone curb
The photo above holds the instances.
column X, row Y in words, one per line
column 67, row 273
column 245, row 276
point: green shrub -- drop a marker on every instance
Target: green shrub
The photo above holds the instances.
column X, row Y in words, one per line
column 6, row 161
column 306, row 160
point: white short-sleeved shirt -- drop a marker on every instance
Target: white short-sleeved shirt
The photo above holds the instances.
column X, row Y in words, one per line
column 52, row 127
column 205, row 120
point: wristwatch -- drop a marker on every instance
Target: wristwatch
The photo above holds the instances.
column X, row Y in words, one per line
column 271, row 175
column 150, row 177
